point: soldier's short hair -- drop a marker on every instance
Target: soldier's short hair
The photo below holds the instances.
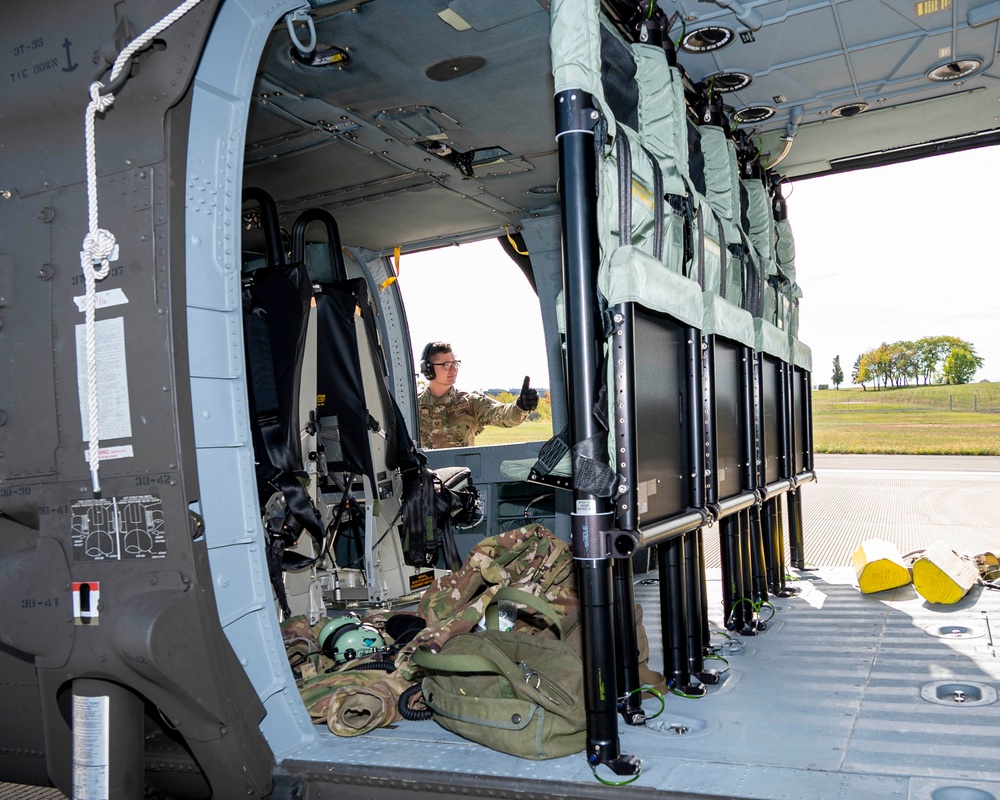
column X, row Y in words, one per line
column 435, row 348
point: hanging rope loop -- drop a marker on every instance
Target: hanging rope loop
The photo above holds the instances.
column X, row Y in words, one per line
column 99, row 246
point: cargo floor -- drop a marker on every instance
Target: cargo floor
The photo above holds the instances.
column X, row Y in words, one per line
column 844, row 695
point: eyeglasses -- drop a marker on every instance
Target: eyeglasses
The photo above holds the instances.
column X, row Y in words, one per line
column 447, row 364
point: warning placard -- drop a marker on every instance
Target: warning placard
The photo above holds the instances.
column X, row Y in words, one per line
column 118, row 528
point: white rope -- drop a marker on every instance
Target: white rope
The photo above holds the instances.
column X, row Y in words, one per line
column 99, row 245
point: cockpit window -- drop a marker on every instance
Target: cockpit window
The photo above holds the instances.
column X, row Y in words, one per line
column 475, row 299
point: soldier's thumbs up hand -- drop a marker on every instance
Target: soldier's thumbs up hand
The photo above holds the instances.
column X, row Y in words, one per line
column 528, row 399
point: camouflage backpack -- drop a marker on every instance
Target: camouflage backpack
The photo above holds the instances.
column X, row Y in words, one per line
column 510, row 690
column 531, row 559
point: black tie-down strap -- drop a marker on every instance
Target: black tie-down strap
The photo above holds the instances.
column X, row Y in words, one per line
column 752, row 284
column 591, row 472
column 683, row 206
column 776, row 281
column 278, row 469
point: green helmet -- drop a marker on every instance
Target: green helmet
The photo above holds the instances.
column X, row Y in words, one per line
column 345, row 638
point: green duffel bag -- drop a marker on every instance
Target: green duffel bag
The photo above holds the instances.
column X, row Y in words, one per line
column 514, row 692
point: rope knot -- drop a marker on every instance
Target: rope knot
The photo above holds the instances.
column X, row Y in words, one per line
column 97, row 248
column 101, row 102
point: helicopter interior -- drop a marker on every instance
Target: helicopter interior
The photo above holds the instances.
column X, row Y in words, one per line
column 402, row 126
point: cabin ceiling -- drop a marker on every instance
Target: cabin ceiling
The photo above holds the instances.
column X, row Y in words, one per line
column 378, row 138
column 813, row 63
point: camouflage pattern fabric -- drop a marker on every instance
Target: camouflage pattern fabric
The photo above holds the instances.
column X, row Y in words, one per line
column 349, row 701
column 354, row 702
column 302, row 647
column 529, row 558
column 457, row 418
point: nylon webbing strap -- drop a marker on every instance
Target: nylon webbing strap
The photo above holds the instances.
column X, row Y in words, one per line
column 279, row 473
column 591, row 473
column 275, row 552
column 419, row 511
column 552, row 452
column 701, row 249
column 262, row 383
column 683, row 207
column 753, row 291
column 657, row 205
column 624, row 151
column 723, row 261
column 775, row 281
column 427, row 511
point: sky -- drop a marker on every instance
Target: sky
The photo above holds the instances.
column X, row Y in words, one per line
column 882, row 255
column 900, row 252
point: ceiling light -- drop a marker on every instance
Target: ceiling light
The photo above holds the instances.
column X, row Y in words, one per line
column 954, row 70
column 705, row 40
column 724, row 82
column 754, row 114
column 850, row 110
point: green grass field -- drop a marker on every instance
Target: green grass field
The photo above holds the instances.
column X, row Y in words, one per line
column 530, row 431
column 910, row 420
column 916, row 420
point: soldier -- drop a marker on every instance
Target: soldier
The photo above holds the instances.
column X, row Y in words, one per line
column 451, row 418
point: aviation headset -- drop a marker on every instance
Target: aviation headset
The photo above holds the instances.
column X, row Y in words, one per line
column 426, row 367
column 346, row 638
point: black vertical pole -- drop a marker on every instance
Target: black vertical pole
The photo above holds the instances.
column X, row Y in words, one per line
column 807, row 423
column 702, row 416
column 673, row 607
column 627, row 644
column 795, row 539
column 626, row 517
column 732, row 583
column 752, row 479
column 795, row 549
column 758, row 578
column 697, row 609
column 779, row 524
column 773, row 568
column 696, row 419
column 706, row 627
column 785, row 459
column 576, row 120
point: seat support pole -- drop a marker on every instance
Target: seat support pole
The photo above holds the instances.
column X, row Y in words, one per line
column 592, row 518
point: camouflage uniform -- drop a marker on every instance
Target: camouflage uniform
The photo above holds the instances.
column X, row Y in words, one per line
column 351, row 701
column 457, row 418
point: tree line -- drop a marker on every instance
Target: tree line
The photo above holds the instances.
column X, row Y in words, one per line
column 936, row 359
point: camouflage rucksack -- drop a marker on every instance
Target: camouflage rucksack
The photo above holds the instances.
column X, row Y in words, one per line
column 510, row 690
column 529, row 558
